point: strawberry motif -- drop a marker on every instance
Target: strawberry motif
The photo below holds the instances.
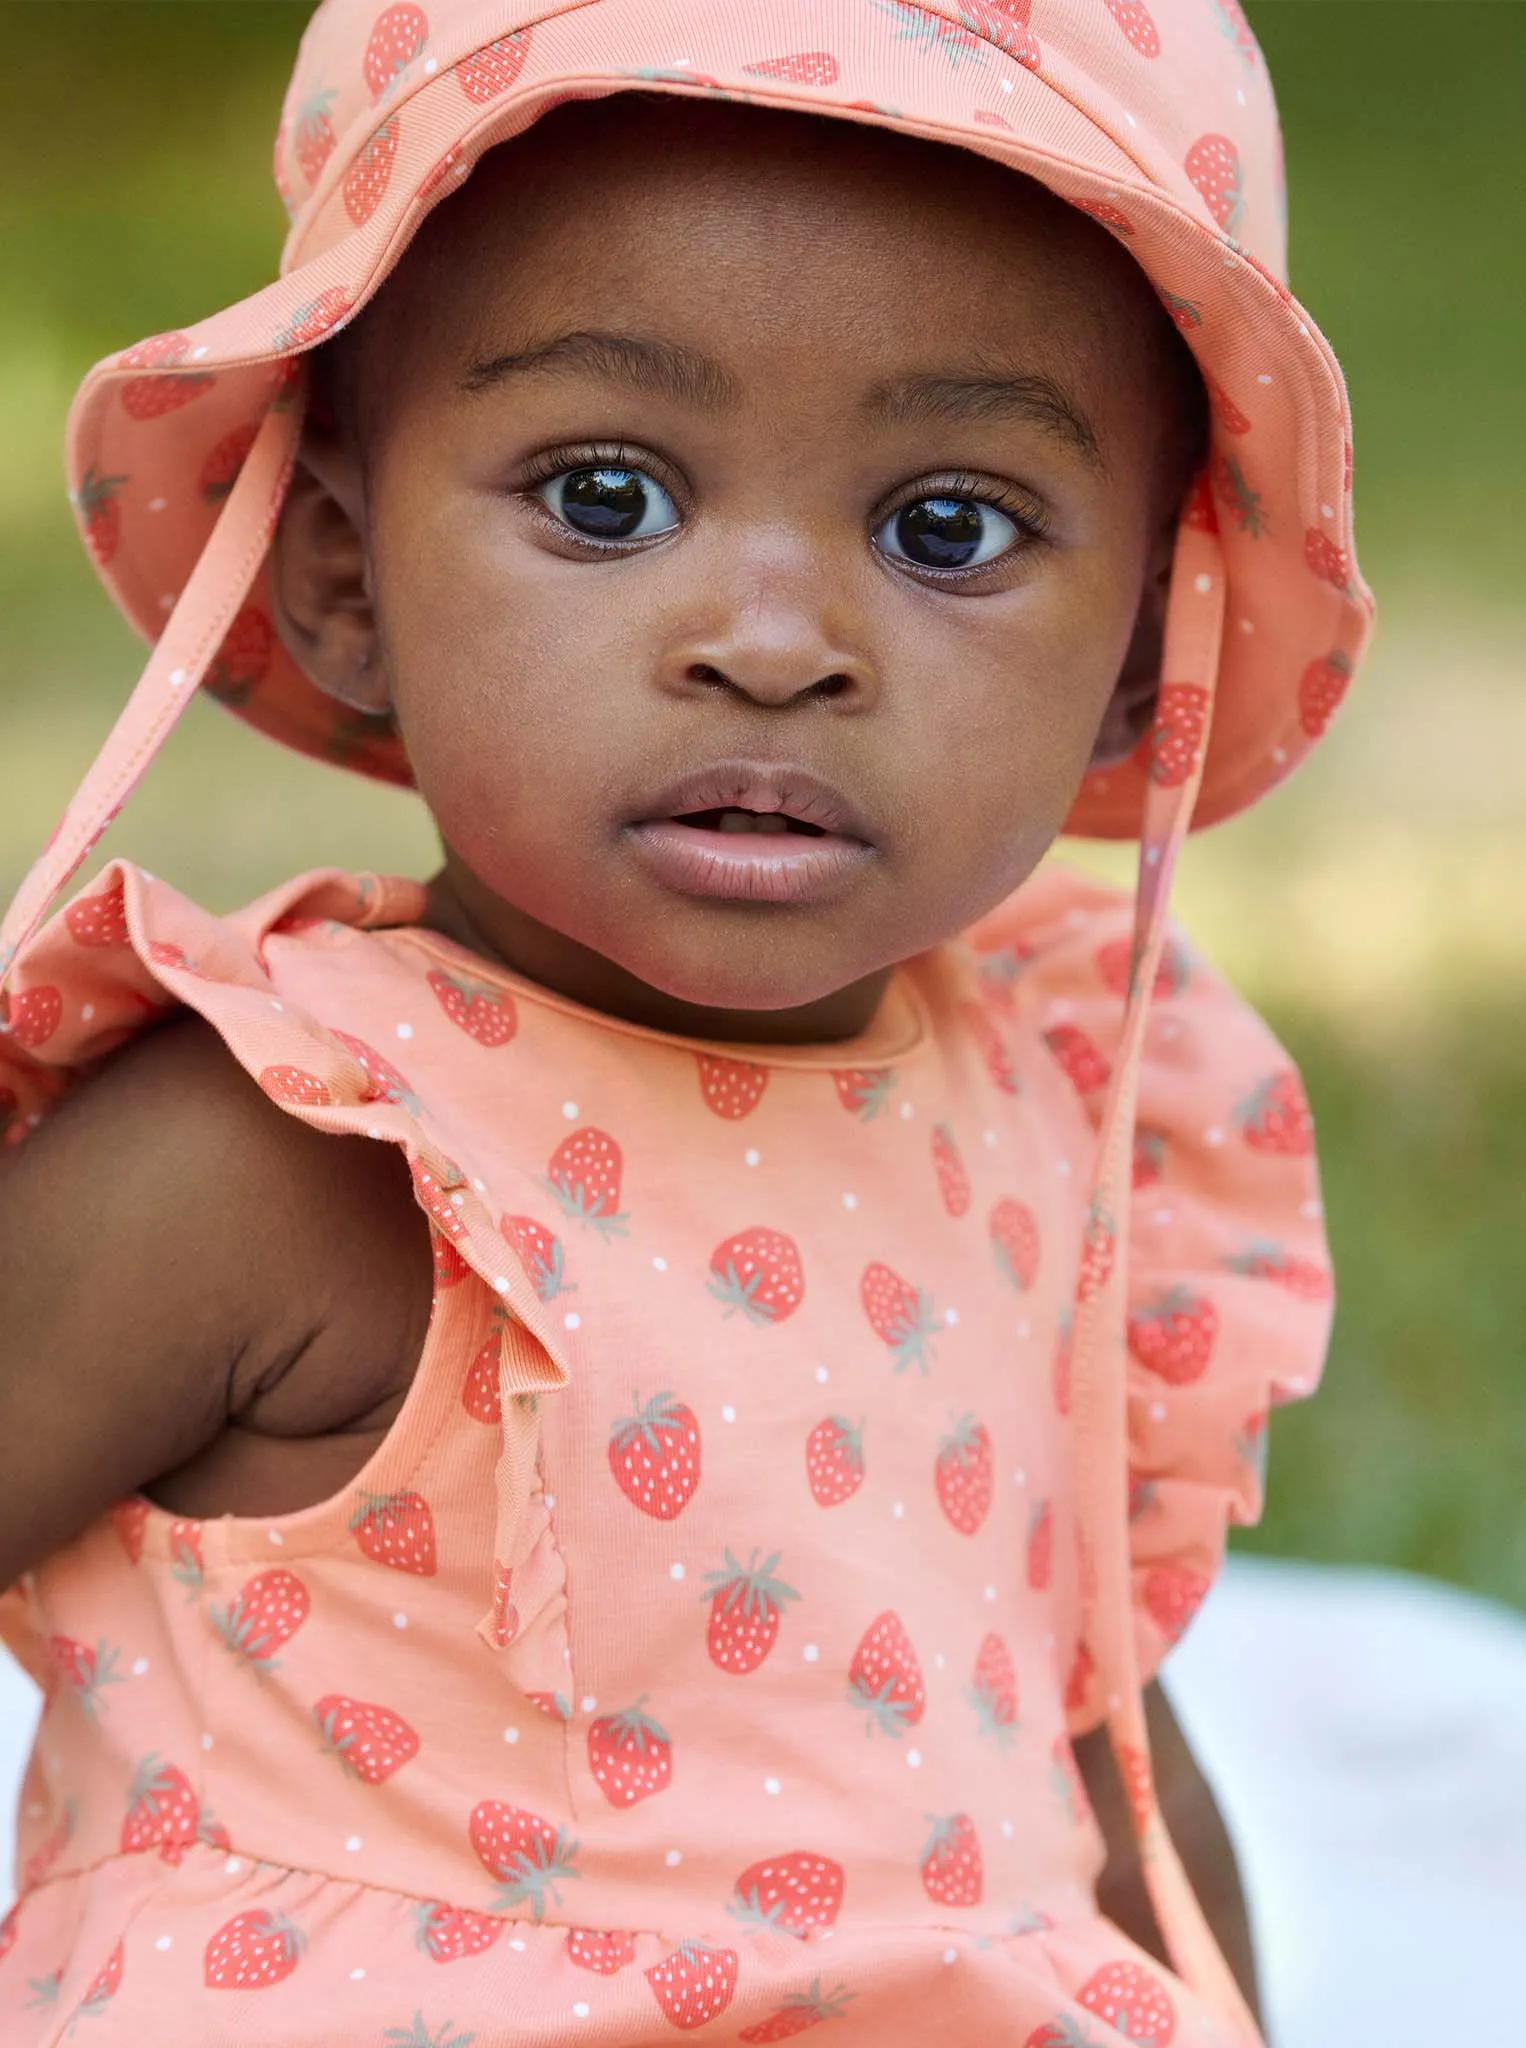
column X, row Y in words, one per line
column 584, row 1173
column 130, row 1518
column 1133, row 2001
column 1242, row 503
column 150, row 398
column 1004, row 23
column 1225, row 411
column 1198, row 511
column 758, row 1272
column 991, row 1046
column 631, row 1757
column 448, row 1934
column 1000, row 971
column 863, row 1092
column 1328, row 562
column 1138, row 1782
column 1174, row 740
column 834, row 1461
column 953, row 1179
column 1264, row 1260
column 1233, row 23
column 366, row 185
column 493, row 71
column 314, row 319
column 597, row 1949
column 371, row 1742
column 96, row 502
column 269, row 1610
column 450, row 1269
column 529, row 1856
column 9, row 1928
column 186, row 1567
column 730, row 1088
column 397, row 39
column 1138, row 24
column 1172, row 1595
column 505, row 1613
column 1082, row 1671
column 315, row 136
column 801, row 2010
column 252, row 1951
column 746, row 1606
column 1040, row 1546
column 952, row 1874
column 480, row 1395
column 809, row 67
column 86, row 1670
column 1213, row 165
column 795, row 1894
column 487, row 1014
column 219, row 473
column 383, row 1081
column 885, row 1677
column 962, row 1474
column 1098, row 1247
column 900, row 1315
column 243, row 660
column 1108, row 215
column 1149, row 1164
column 396, row 1529
column 654, row 1453
column 452, row 167
column 1275, row 1116
column 994, row 1692
column 34, row 1017
column 1015, row 1243
column 1320, row 689
column 105, row 1984
column 1085, row 1067
column 163, row 1812
column 694, row 1984
column 1115, row 964
column 98, row 921
column 440, row 1195
column 294, row 1087
column 542, row 1255
column 1173, row 1335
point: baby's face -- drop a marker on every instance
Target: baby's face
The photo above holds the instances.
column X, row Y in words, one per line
column 718, row 463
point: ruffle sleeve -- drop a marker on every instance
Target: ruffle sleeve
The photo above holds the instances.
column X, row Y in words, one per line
column 1229, row 1286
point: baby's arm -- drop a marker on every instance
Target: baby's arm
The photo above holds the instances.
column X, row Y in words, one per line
column 1197, row 1828
column 172, row 1247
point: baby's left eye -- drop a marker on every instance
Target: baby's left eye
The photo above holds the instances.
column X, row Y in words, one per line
column 607, row 501
column 947, row 533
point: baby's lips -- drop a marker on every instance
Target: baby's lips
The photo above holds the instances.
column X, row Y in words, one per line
column 773, row 789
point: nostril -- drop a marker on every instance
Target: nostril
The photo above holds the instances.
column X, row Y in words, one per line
column 833, row 685
column 702, row 672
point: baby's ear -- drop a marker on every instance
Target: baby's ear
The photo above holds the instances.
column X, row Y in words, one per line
column 320, row 581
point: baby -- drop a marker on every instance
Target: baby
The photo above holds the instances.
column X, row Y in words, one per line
column 613, row 1442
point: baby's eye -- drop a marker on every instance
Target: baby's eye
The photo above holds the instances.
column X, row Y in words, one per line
column 607, row 501
column 947, row 533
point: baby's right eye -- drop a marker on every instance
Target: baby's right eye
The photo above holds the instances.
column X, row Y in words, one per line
column 608, row 501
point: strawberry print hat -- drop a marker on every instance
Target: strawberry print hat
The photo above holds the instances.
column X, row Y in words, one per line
column 1156, row 117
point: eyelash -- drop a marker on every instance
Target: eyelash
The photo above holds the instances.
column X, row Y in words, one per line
column 1026, row 514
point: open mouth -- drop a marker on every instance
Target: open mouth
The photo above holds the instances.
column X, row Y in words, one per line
column 736, row 820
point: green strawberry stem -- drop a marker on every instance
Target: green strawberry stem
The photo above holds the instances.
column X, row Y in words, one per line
column 532, row 1873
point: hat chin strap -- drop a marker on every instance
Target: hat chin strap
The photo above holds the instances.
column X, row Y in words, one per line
column 1193, row 640
column 185, row 651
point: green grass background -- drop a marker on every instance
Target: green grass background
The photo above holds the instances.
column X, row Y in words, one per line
column 1376, row 909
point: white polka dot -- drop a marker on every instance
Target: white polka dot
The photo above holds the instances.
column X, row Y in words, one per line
column 572, row 1320
column 88, row 1012
column 179, row 678
column 1112, row 1703
column 458, row 1200
column 404, row 1030
column 1157, row 1411
column 951, row 1955
column 139, row 1666
column 988, row 1593
column 772, row 1787
column 850, row 1201
column 206, row 1742
column 914, row 1759
column 938, row 1660
column 354, row 1844
column 570, row 1111
column 199, row 354
column 275, row 1536
column 1213, row 1136
column 659, row 1265
column 356, row 1975
column 167, row 602
column 511, row 1736
column 951, row 1316
column 1019, row 1477
column 1062, row 1168
column 501, row 1283
column 400, row 1620
column 1130, row 119
column 1202, row 585
column 751, row 1157
column 550, row 1500
column 157, row 504
column 480, row 1186
column 275, row 1005
column 822, row 1375
column 1007, row 1829
column 1152, row 856
column 907, row 1112
column 1006, row 85
column 1022, row 1328
column 165, row 1941
column 588, row 1703
column 431, row 66
column 1303, row 329
column 1279, row 755
column 1327, row 511
column 1312, row 1208
column 673, row 1858
column 1264, row 377
column 35, row 1809
column 810, row 1653
column 675, row 1571
column 898, row 1509
column 1164, row 1215
column 1246, row 625
column 1169, row 1027
column 517, row 1945
column 580, row 2010
column 1239, row 95
column 373, row 1132
column 1299, row 1385
column 728, row 1413
column 233, row 1866
column 988, row 1139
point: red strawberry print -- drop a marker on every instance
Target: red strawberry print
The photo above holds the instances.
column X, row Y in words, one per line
column 487, row 1014
column 746, row 1605
column 584, row 1173
column 1173, row 1335
column 96, row 502
column 105, row 1984
column 1138, row 1783
column 952, row 1874
column 864, row 1092
column 1149, row 1163
column 1084, row 1065
column 315, row 136
column 1234, row 25
column 1133, row 2001
column 1115, row 964
column 885, row 1677
column 810, row 67
column 163, row 1812
column 1176, row 737
column 243, row 660
column 991, row 1046
column 9, row 1928
column 795, row 1894
column 1213, row 165
column 396, row 1529
column 440, row 1196
column 370, row 1741
column 600, row 1950
column 1328, row 562
column 730, row 1088
column 800, row 2011
column 150, row 398
column 1225, row 411
column 630, row 1756
column 269, row 1610
column 448, row 1934
column 450, row 1269
column 493, row 71
column 694, row 1984
column 452, row 165
column 993, row 1694
column 252, row 1951
column 1082, row 1670
column 1198, row 511
column 1108, row 215
column 479, row 1390
column 900, row 1315
column 86, row 1670
column 1172, row 1595
column 34, row 1017
column 1097, row 1251
column 1015, row 1243
column 383, row 1081
column 834, row 1461
column 1000, row 971
column 1040, row 1546
column 219, row 473
column 1264, row 1260
column 542, row 1254
column 1138, row 24
column 529, row 1856
column 1321, row 688
column 953, row 1179
column 1275, row 1116
column 130, row 1518
column 758, row 1272
column 366, row 185
column 98, row 921
column 962, row 1475
column 316, row 318
column 397, row 39
column 295, row 1088
column 654, row 1453
column 1004, row 23
column 505, row 1613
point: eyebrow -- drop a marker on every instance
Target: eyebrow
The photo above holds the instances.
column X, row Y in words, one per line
column 685, row 376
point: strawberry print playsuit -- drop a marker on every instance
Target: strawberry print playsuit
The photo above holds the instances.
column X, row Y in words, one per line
column 809, row 1443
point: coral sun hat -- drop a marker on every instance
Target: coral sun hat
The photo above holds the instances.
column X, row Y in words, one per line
column 1155, row 117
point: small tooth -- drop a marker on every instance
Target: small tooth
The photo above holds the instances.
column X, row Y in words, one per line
column 736, row 821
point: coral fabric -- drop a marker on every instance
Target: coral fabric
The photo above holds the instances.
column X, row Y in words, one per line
column 700, row 1648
